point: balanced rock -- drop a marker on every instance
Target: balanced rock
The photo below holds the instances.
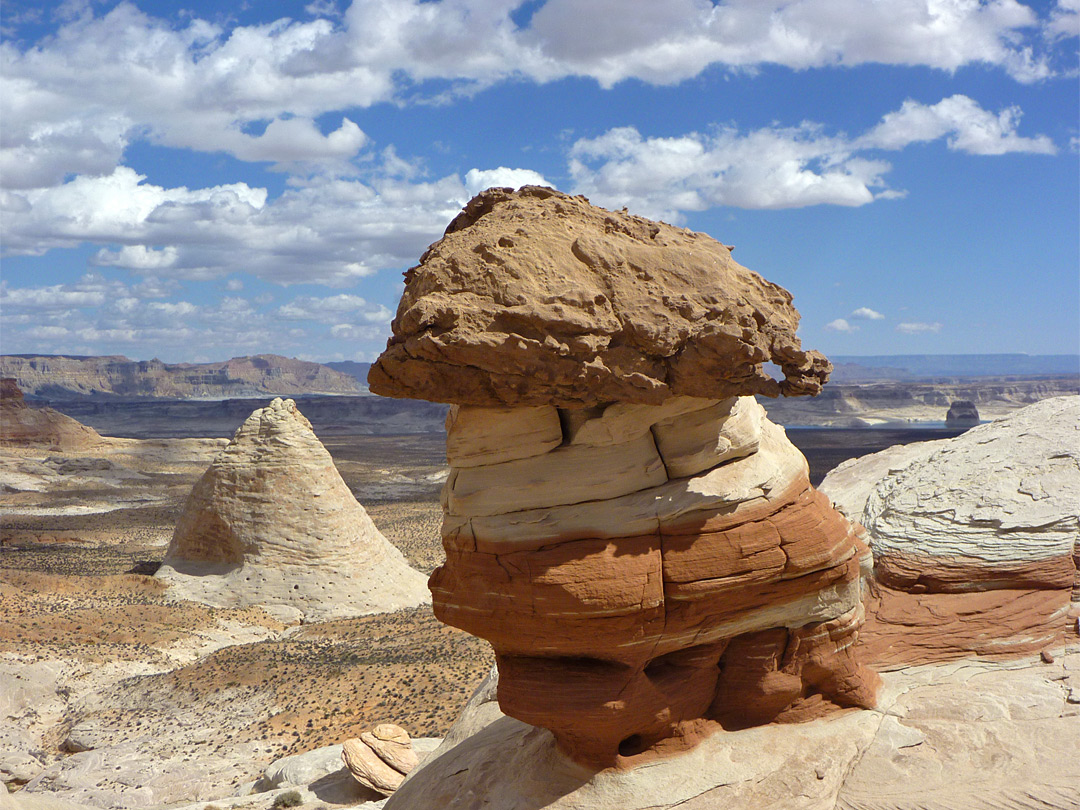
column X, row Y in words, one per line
column 380, row 758
column 23, row 426
column 962, row 413
column 272, row 522
column 537, row 298
column 638, row 542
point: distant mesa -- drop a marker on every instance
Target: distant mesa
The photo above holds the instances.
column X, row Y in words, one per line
column 640, row 545
column 962, row 414
column 271, row 522
column 59, row 376
column 23, row 426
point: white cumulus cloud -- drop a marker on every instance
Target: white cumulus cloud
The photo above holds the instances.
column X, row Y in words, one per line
column 476, row 180
column 917, row 327
column 779, row 167
column 962, row 122
column 328, row 230
column 867, row 314
column 840, row 325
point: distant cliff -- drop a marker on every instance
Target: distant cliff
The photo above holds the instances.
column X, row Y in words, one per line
column 845, row 405
column 58, row 376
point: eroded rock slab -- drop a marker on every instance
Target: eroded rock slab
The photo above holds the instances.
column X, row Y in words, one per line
column 997, row 507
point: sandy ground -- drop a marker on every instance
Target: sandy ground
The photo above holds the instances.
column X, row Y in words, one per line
column 95, row 662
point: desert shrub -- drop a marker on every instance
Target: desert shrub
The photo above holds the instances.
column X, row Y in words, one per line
column 290, row 799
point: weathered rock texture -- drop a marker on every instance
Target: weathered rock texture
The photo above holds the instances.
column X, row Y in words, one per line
column 996, row 507
column 381, row 758
column 538, row 298
column 976, row 539
column 962, row 413
column 271, row 522
column 23, row 426
column 648, row 566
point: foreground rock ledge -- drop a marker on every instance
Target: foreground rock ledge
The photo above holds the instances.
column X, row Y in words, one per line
column 535, row 297
column 640, row 545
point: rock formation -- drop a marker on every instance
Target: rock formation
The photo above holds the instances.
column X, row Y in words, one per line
column 641, row 546
column 271, row 522
column 962, row 413
column 556, row 302
column 23, row 426
column 976, row 539
column 998, row 507
column 381, row 758
column 980, row 735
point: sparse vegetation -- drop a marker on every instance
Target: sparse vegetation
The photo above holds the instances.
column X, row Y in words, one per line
column 290, row 799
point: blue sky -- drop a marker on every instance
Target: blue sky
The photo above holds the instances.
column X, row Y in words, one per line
column 196, row 181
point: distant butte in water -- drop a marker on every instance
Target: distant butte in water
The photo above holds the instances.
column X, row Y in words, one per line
column 962, row 413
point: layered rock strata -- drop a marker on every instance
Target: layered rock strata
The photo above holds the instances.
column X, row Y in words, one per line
column 658, row 568
column 996, row 507
column 271, row 522
column 648, row 566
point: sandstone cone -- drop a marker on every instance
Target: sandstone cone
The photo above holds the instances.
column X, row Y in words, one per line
column 23, row 426
column 380, row 758
column 640, row 545
column 272, row 522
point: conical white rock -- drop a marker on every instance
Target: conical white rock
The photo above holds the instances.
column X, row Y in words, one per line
column 272, row 522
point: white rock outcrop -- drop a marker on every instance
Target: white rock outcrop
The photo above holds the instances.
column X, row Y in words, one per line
column 998, row 506
column 380, row 758
column 271, row 522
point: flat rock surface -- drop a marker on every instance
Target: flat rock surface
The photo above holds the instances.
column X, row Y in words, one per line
column 535, row 297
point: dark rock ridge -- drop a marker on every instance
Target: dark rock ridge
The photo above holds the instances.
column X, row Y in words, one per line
column 57, row 376
column 536, row 297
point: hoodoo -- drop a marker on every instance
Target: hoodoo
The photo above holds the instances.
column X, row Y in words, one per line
column 639, row 543
column 271, row 522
